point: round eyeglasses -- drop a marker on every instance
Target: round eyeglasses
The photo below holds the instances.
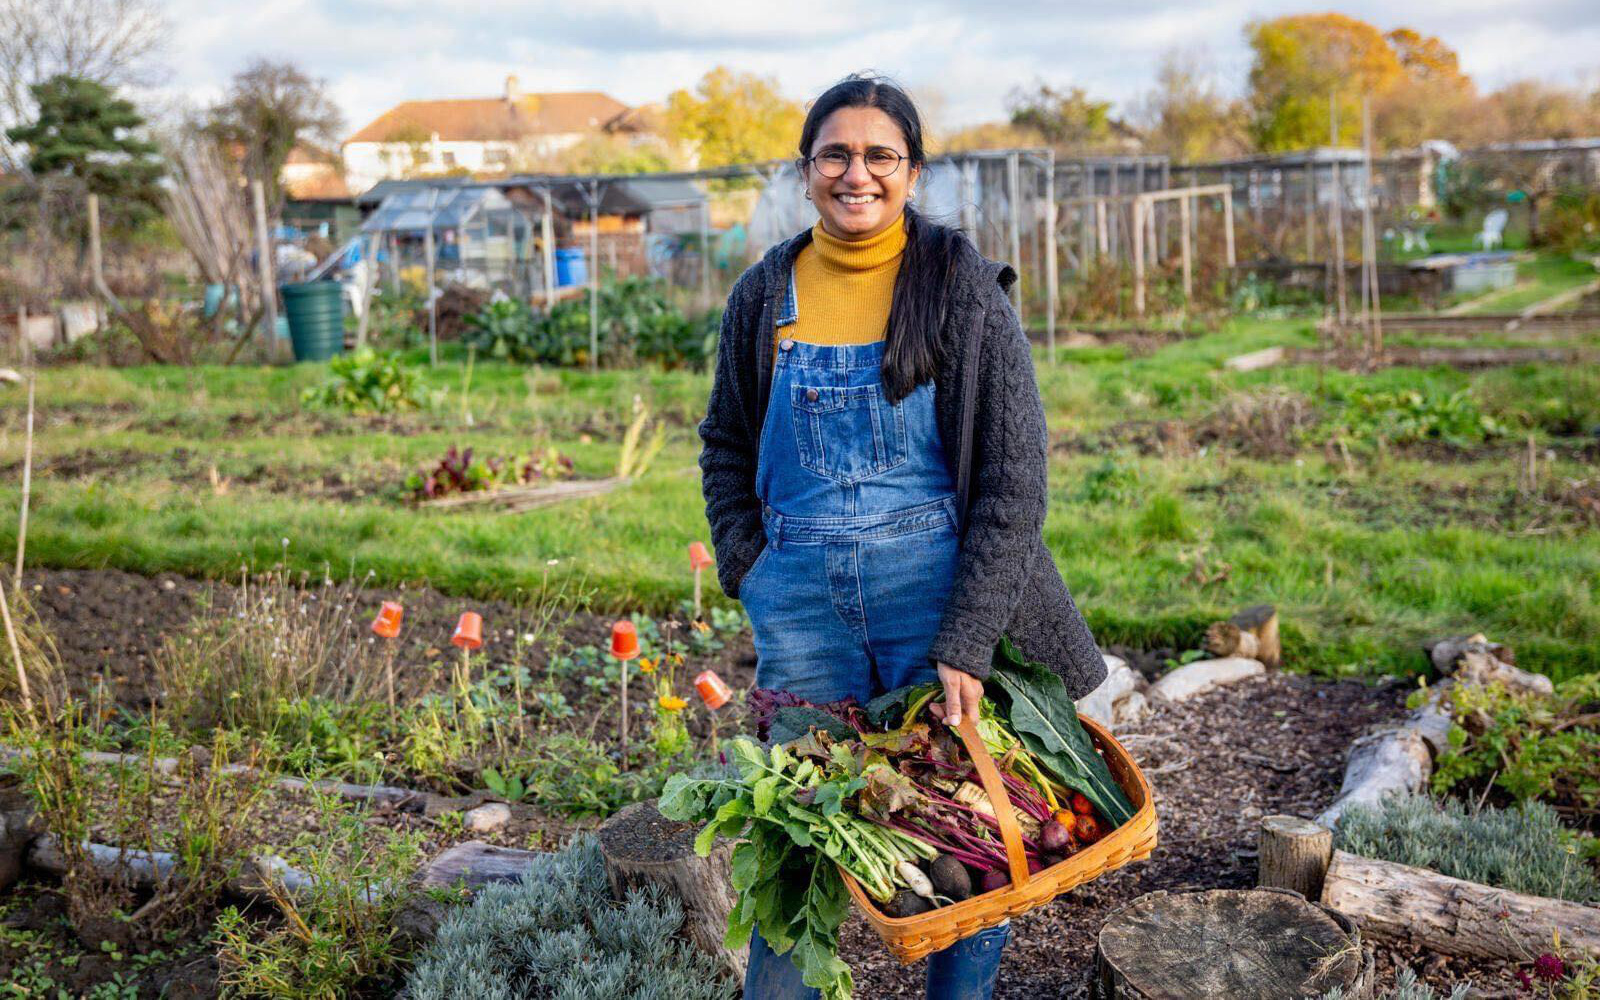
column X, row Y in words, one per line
column 880, row 160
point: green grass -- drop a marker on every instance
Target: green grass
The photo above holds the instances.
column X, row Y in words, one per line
column 1363, row 564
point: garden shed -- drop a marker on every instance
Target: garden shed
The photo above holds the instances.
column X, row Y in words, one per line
column 474, row 231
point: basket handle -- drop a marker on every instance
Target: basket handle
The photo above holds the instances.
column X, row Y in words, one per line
column 989, row 777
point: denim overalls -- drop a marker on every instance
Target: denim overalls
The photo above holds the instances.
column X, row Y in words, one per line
column 860, row 514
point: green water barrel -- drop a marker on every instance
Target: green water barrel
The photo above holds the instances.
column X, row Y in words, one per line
column 316, row 319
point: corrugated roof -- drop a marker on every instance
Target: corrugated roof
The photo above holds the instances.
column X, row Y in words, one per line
column 487, row 119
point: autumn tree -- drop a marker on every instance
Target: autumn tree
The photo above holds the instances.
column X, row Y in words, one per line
column 1186, row 115
column 734, row 118
column 1067, row 119
column 1432, row 99
column 1305, row 64
column 269, row 107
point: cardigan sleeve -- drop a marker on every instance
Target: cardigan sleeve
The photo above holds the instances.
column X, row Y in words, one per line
column 1009, row 495
column 728, row 455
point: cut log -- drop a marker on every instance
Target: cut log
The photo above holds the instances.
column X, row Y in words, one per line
column 642, row 847
column 1380, row 763
column 18, row 827
column 149, row 869
column 1201, row 676
column 1252, row 633
column 1431, row 720
column 1258, row 943
column 1293, row 854
column 475, row 864
column 1453, row 916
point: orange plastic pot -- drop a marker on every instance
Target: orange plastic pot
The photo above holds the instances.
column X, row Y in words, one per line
column 387, row 624
column 469, row 631
column 624, row 640
column 713, row 690
column 699, row 556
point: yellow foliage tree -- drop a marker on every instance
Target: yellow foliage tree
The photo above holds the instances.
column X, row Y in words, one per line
column 1304, row 62
column 734, row 118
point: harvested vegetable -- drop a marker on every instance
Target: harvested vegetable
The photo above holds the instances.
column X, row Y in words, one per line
column 879, row 790
column 950, row 877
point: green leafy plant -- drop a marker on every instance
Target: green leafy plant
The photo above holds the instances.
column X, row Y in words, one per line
column 338, row 933
column 557, row 933
column 1524, row 849
column 459, row 472
column 367, row 382
column 1531, row 746
column 1406, row 416
column 1406, row 987
column 510, row 787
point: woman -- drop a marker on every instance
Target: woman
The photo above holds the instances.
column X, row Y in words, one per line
column 875, row 457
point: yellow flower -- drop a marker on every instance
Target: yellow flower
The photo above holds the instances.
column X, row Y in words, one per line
column 700, row 625
column 672, row 703
column 647, row 665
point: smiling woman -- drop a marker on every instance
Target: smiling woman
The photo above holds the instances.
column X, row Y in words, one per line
column 874, row 463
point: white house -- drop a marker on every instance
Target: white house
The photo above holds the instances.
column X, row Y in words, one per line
column 478, row 135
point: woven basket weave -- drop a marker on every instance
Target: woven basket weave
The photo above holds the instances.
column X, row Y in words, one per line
column 911, row 938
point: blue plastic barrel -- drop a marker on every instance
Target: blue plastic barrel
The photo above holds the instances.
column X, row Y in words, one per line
column 571, row 268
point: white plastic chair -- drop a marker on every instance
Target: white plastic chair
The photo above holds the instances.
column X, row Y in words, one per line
column 1494, row 228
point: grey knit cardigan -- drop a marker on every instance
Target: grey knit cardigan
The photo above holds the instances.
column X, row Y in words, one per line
column 991, row 421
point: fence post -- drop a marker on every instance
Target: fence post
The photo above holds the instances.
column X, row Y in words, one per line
column 269, row 294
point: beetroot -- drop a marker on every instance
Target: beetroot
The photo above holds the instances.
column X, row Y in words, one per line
column 994, row 880
column 1054, row 837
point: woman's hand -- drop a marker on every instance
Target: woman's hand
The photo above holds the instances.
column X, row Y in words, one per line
column 962, row 692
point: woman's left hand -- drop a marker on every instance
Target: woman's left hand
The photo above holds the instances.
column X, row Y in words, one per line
column 962, row 692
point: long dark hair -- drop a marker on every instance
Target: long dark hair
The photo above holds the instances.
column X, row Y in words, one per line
column 911, row 353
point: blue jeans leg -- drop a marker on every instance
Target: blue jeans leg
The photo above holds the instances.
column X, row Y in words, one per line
column 967, row 969
column 964, row 971
column 771, row 976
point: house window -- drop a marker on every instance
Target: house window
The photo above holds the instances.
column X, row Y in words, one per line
column 449, row 159
column 497, row 157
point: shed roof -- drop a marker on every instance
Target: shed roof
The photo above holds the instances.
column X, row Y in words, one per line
column 487, row 119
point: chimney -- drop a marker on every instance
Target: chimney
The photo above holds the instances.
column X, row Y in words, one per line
column 513, row 89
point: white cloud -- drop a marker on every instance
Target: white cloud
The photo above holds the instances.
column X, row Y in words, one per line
column 375, row 53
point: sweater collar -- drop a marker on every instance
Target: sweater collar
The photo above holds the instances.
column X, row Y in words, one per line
column 875, row 253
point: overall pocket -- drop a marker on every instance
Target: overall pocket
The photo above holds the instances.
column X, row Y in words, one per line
column 847, row 433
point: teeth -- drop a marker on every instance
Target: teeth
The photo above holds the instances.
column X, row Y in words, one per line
column 857, row 199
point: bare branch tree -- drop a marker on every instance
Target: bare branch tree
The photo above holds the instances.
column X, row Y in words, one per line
column 114, row 42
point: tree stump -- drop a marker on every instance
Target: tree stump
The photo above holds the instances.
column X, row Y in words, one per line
column 1258, row 943
column 642, row 847
column 1294, row 855
column 1252, row 633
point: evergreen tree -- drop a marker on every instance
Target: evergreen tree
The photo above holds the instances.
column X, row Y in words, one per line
column 86, row 132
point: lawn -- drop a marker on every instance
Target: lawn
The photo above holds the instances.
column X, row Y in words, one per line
column 1166, row 511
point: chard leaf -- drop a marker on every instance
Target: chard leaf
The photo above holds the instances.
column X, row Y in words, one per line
column 794, row 721
column 1046, row 720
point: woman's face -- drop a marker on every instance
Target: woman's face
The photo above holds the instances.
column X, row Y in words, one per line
column 858, row 204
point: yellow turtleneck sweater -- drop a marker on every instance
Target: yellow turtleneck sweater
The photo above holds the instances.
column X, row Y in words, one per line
column 843, row 288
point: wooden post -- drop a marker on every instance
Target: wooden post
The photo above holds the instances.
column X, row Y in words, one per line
column 1370, row 251
column 1140, row 205
column 1311, row 208
column 705, row 253
column 1102, row 237
column 27, row 487
column 1227, row 227
column 269, row 293
column 1186, row 226
column 594, row 326
column 394, row 263
column 1336, row 209
column 548, row 236
column 1051, row 278
column 433, row 304
column 1294, row 854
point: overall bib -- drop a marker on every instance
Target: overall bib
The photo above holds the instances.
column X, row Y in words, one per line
column 861, row 521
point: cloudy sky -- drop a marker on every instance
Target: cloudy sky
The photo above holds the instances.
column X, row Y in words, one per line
column 959, row 58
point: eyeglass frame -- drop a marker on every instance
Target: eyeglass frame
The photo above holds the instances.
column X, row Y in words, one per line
column 851, row 154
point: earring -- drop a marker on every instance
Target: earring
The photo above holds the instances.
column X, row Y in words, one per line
column 808, row 196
